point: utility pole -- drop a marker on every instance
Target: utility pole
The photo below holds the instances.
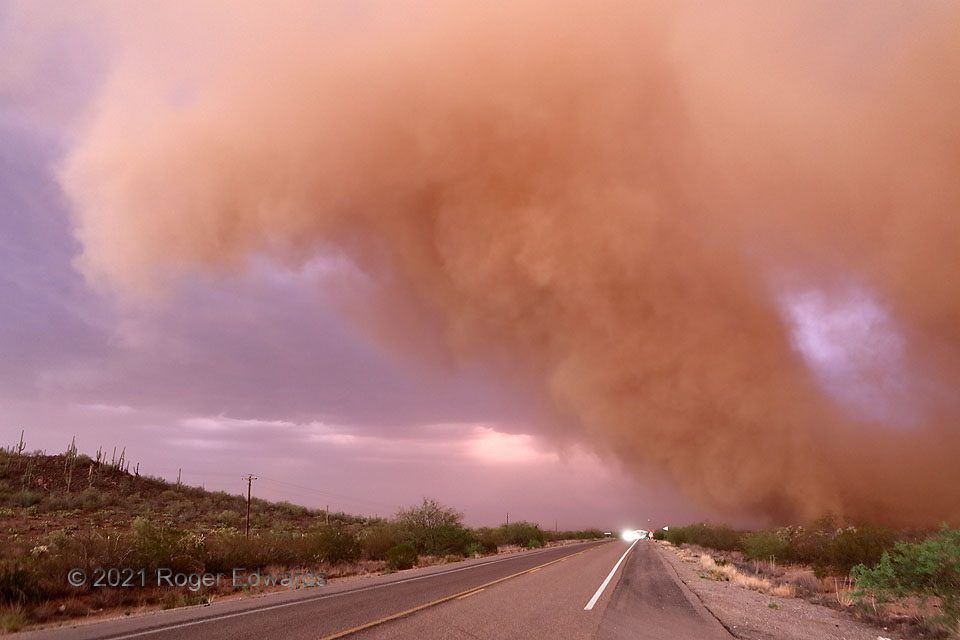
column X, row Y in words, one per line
column 508, row 517
column 249, row 479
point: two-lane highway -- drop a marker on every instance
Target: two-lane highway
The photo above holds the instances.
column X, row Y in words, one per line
column 559, row 592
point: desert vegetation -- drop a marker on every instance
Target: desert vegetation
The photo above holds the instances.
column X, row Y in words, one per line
column 68, row 511
column 906, row 579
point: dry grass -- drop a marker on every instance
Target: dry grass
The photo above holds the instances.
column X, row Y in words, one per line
column 803, row 579
column 731, row 574
column 12, row 619
column 844, row 591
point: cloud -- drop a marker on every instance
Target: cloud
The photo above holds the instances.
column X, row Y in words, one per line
column 593, row 199
column 494, row 447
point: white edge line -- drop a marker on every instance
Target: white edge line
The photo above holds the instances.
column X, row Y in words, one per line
column 604, row 584
column 191, row 623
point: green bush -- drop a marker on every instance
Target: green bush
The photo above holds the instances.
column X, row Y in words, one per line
column 676, row 535
column 481, row 547
column 863, row 545
column 229, row 518
column 922, row 569
column 378, row 541
column 226, row 551
column 584, row 534
column 808, row 547
column 489, row 545
column 534, row 543
column 447, row 539
column 520, row 534
column 85, row 550
column 286, row 509
column 335, row 545
column 720, row 537
column 764, row 545
column 659, row 534
column 154, row 547
column 433, row 529
column 402, row 556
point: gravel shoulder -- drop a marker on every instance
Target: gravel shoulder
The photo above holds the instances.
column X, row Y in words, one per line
column 749, row 615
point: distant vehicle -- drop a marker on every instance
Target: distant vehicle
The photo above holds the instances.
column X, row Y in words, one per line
column 635, row 534
column 608, row 534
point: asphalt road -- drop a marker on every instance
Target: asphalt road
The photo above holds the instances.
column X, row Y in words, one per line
column 650, row 603
column 538, row 594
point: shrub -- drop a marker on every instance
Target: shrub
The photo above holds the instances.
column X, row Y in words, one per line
column 226, row 551
column 448, row 539
column 677, row 536
column 12, row 620
column 489, row 545
column 18, row 584
column 335, row 545
column 229, row 518
column 764, row 545
column 402, row 556
column 923, row 569
column 585, row 534
column 534, row 543
column 286, row 509
column 378, row 540
column 481, row 547
column 27, row 498
column 433, row 529
column 182, row 509
column 85, row 550
column 807, row 547
column 520, row 534
column 720, row 537
column 153, row 547
column 863, row 545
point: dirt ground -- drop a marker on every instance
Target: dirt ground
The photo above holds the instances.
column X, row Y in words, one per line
column 749, row 615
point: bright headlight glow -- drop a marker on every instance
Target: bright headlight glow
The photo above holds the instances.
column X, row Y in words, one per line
column 630, row 536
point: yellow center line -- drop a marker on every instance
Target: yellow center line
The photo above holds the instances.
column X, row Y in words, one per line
column 472, row 593
column 461, row 594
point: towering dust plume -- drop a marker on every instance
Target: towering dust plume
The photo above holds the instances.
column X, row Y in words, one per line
column 726, row 239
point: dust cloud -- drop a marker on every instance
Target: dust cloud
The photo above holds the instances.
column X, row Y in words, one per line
column 724, row 239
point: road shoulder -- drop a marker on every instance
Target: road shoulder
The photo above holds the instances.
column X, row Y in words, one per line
column 748, row 615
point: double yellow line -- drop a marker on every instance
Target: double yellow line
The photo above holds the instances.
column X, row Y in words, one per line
column 463, row 594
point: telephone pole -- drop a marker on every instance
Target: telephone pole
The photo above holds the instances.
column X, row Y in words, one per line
column 249, row 479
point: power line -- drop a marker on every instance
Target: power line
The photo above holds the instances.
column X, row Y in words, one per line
column 329, row 493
